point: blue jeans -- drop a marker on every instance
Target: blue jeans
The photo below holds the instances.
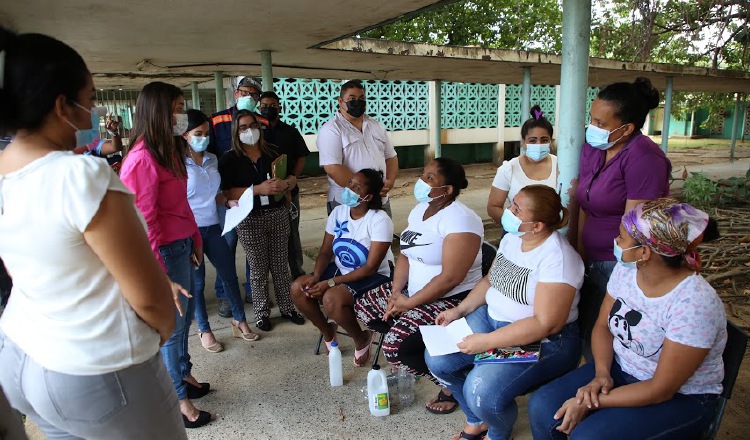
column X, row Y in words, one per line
column 217, row 251
column 176, row 256
column 684, row 417
column 231, row 239
column 592, row 294
column 487, row 392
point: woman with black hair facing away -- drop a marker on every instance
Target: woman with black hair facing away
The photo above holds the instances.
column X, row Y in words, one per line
column 79, row 339
column 203, row 195
column 535, row 165
column 620, row 167
column 154, row 169
column 264, row 234
column 440, row 263
column 528, row 297
column 357, row 238
column 657, row 343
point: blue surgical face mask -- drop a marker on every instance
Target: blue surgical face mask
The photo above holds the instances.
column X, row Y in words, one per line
column 350, row 198
column 511, row 223
column 246, row 103
column 617, row 250
column 536, row 152
column 198, row 143
column 599, row 137
column 88, row 136
column 422, row 191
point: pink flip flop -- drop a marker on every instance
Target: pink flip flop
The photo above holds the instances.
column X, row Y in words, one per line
column 359, row 354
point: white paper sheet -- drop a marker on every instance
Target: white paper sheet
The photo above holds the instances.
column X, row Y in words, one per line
column 441, row 340
column 238, row 213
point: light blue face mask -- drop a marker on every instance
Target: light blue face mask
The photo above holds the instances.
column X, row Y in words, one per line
column 350, row 198
column 511, row 223
column 199, row 143
column 88, row 136
column 246, row 103
column 617, row 250
column 422, row 191
column 536, row 152
column 599, row 137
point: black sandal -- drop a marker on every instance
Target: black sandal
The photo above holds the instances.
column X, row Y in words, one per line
column 442, row 397
column 194, row 392
column 203, row 419
column 465, row 436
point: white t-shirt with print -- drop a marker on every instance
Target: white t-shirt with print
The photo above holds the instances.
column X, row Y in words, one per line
column 691, row 314
column 514, row 276
column 340, row 143
column 66, row 311
column 352, row 238
column 422, row 244
column 510, row 177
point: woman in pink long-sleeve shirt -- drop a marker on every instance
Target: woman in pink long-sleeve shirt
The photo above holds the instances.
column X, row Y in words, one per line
column 154, row 170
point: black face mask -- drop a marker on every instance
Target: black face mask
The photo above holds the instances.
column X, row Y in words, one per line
column 356, row 108
column 270, row 113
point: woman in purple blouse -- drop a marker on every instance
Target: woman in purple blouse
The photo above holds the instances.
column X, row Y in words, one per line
column 620, row 168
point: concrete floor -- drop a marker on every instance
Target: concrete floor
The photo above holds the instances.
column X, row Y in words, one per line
column 276, row 388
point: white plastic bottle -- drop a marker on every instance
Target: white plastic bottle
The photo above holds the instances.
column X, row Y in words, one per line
column 377, row 392
column 335, row 371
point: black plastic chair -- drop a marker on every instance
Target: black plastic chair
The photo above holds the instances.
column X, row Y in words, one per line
column 377, row 327
column 488, row 256
column 733, row 355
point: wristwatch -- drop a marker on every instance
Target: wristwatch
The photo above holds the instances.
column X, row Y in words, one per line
column 331, row 283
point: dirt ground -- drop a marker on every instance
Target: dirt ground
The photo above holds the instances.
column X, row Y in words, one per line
column 734, row 290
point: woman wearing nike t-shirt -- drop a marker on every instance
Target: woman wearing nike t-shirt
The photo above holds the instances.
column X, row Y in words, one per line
column 440, row 263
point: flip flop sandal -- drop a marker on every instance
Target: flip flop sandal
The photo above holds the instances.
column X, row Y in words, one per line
column 442, row 397
column 360, row 354
column 466, row 436
column 335, row 330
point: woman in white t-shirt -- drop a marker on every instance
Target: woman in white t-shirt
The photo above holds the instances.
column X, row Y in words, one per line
column 657, row 344
column 90, row 306
column 529, row 296
column 440, row 263
column 535, row 165
column 358, row 238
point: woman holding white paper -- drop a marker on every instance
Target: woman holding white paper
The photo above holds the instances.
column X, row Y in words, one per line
column 530, row 295
column 203, row 195
column 265, row 232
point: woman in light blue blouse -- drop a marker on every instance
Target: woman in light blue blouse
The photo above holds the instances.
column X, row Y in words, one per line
column 203, row 195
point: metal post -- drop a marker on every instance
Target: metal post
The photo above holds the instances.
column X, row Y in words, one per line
column 267, row 70
column 498, row 154
column 574, row 75
column 667, row 115
column 436, row 97
column 735, row 123
column 196, row 95
column 526, row 94
column 221, row 102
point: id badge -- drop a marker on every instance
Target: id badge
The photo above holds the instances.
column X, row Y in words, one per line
column 264, row 200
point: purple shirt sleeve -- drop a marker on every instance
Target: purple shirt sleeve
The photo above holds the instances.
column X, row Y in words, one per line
column 646, row 176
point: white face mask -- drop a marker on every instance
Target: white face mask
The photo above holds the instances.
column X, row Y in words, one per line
column 250, row 136
column 181, row 124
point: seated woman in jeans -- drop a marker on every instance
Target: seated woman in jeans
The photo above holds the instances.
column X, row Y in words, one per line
column 358, row 234
column 203, row 194
column 529, row 295
column 657, row 344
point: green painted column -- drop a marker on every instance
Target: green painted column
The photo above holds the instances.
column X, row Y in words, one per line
column 735, row 123
column 221, row 102
column 574, row 75
column 267, row 70
column 667, row 115
column 436, row 98
column 196, row 96
column 526, row 94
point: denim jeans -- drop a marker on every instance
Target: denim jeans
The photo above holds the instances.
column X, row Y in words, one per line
column 592, row 294
column 176, row 256
column 217, row 251
column 683, row 417
column 487, row 392
column 231, row 239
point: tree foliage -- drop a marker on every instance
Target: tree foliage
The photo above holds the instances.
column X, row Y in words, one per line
column 707, row 33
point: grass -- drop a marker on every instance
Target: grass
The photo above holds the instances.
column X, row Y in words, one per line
column 683, row 142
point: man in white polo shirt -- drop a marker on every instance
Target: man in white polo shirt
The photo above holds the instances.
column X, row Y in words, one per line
column 352, row 141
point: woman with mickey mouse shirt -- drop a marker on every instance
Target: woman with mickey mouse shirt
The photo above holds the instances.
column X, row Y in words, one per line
column 657, row 343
